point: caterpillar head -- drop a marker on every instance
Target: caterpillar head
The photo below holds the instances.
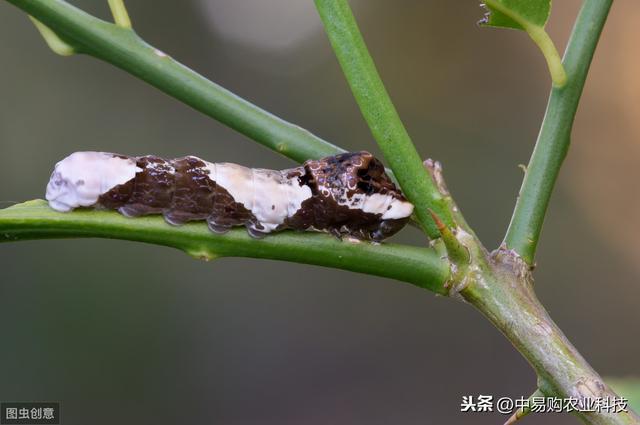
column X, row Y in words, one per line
column 375, row 207
column 80, row 179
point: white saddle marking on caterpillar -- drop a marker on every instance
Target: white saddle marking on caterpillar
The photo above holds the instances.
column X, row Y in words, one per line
column 80, row 179
column 269, row 196
column 386, row 205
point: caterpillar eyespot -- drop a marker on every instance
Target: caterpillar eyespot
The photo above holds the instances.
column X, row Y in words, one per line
column 346, row 195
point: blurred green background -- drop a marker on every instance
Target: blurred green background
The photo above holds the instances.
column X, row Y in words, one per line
column 128, row 333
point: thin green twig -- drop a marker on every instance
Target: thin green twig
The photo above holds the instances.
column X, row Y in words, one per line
column 555, row 134
column 123, row 48
column 420, row 266
column 540, row 37
column 380, row 114
column 120, row 14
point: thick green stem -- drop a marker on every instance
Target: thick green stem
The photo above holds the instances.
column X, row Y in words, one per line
column 380, row 114
column 121, row 47
column 555, row 134
column 500, row 286
column 420, row 266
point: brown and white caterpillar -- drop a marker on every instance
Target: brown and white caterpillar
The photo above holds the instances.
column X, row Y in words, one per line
column 346, row 195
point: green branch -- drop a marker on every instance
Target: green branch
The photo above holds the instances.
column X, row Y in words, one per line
column 122, row 47
column 420, row 266
column 555, row 133
column 501, row 287
column 380, row 114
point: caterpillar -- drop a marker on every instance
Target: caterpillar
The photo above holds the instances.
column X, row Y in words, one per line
column 345, row 195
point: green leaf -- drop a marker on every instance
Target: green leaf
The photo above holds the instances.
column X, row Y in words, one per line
column 511, row 13
column 530, row 16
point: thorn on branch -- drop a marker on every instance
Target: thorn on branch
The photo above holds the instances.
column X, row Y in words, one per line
column 456, row 251
column 524, row 410
column 519, row 414
column 434, row 168
column 54, row 42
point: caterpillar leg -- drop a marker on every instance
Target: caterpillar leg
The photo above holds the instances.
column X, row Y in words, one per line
column 135, row 210
column 336, row 232
column 216, row 227
column 174, row 219
column 254, row 232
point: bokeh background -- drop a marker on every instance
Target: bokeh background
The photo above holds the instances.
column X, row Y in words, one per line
column 121, row 332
